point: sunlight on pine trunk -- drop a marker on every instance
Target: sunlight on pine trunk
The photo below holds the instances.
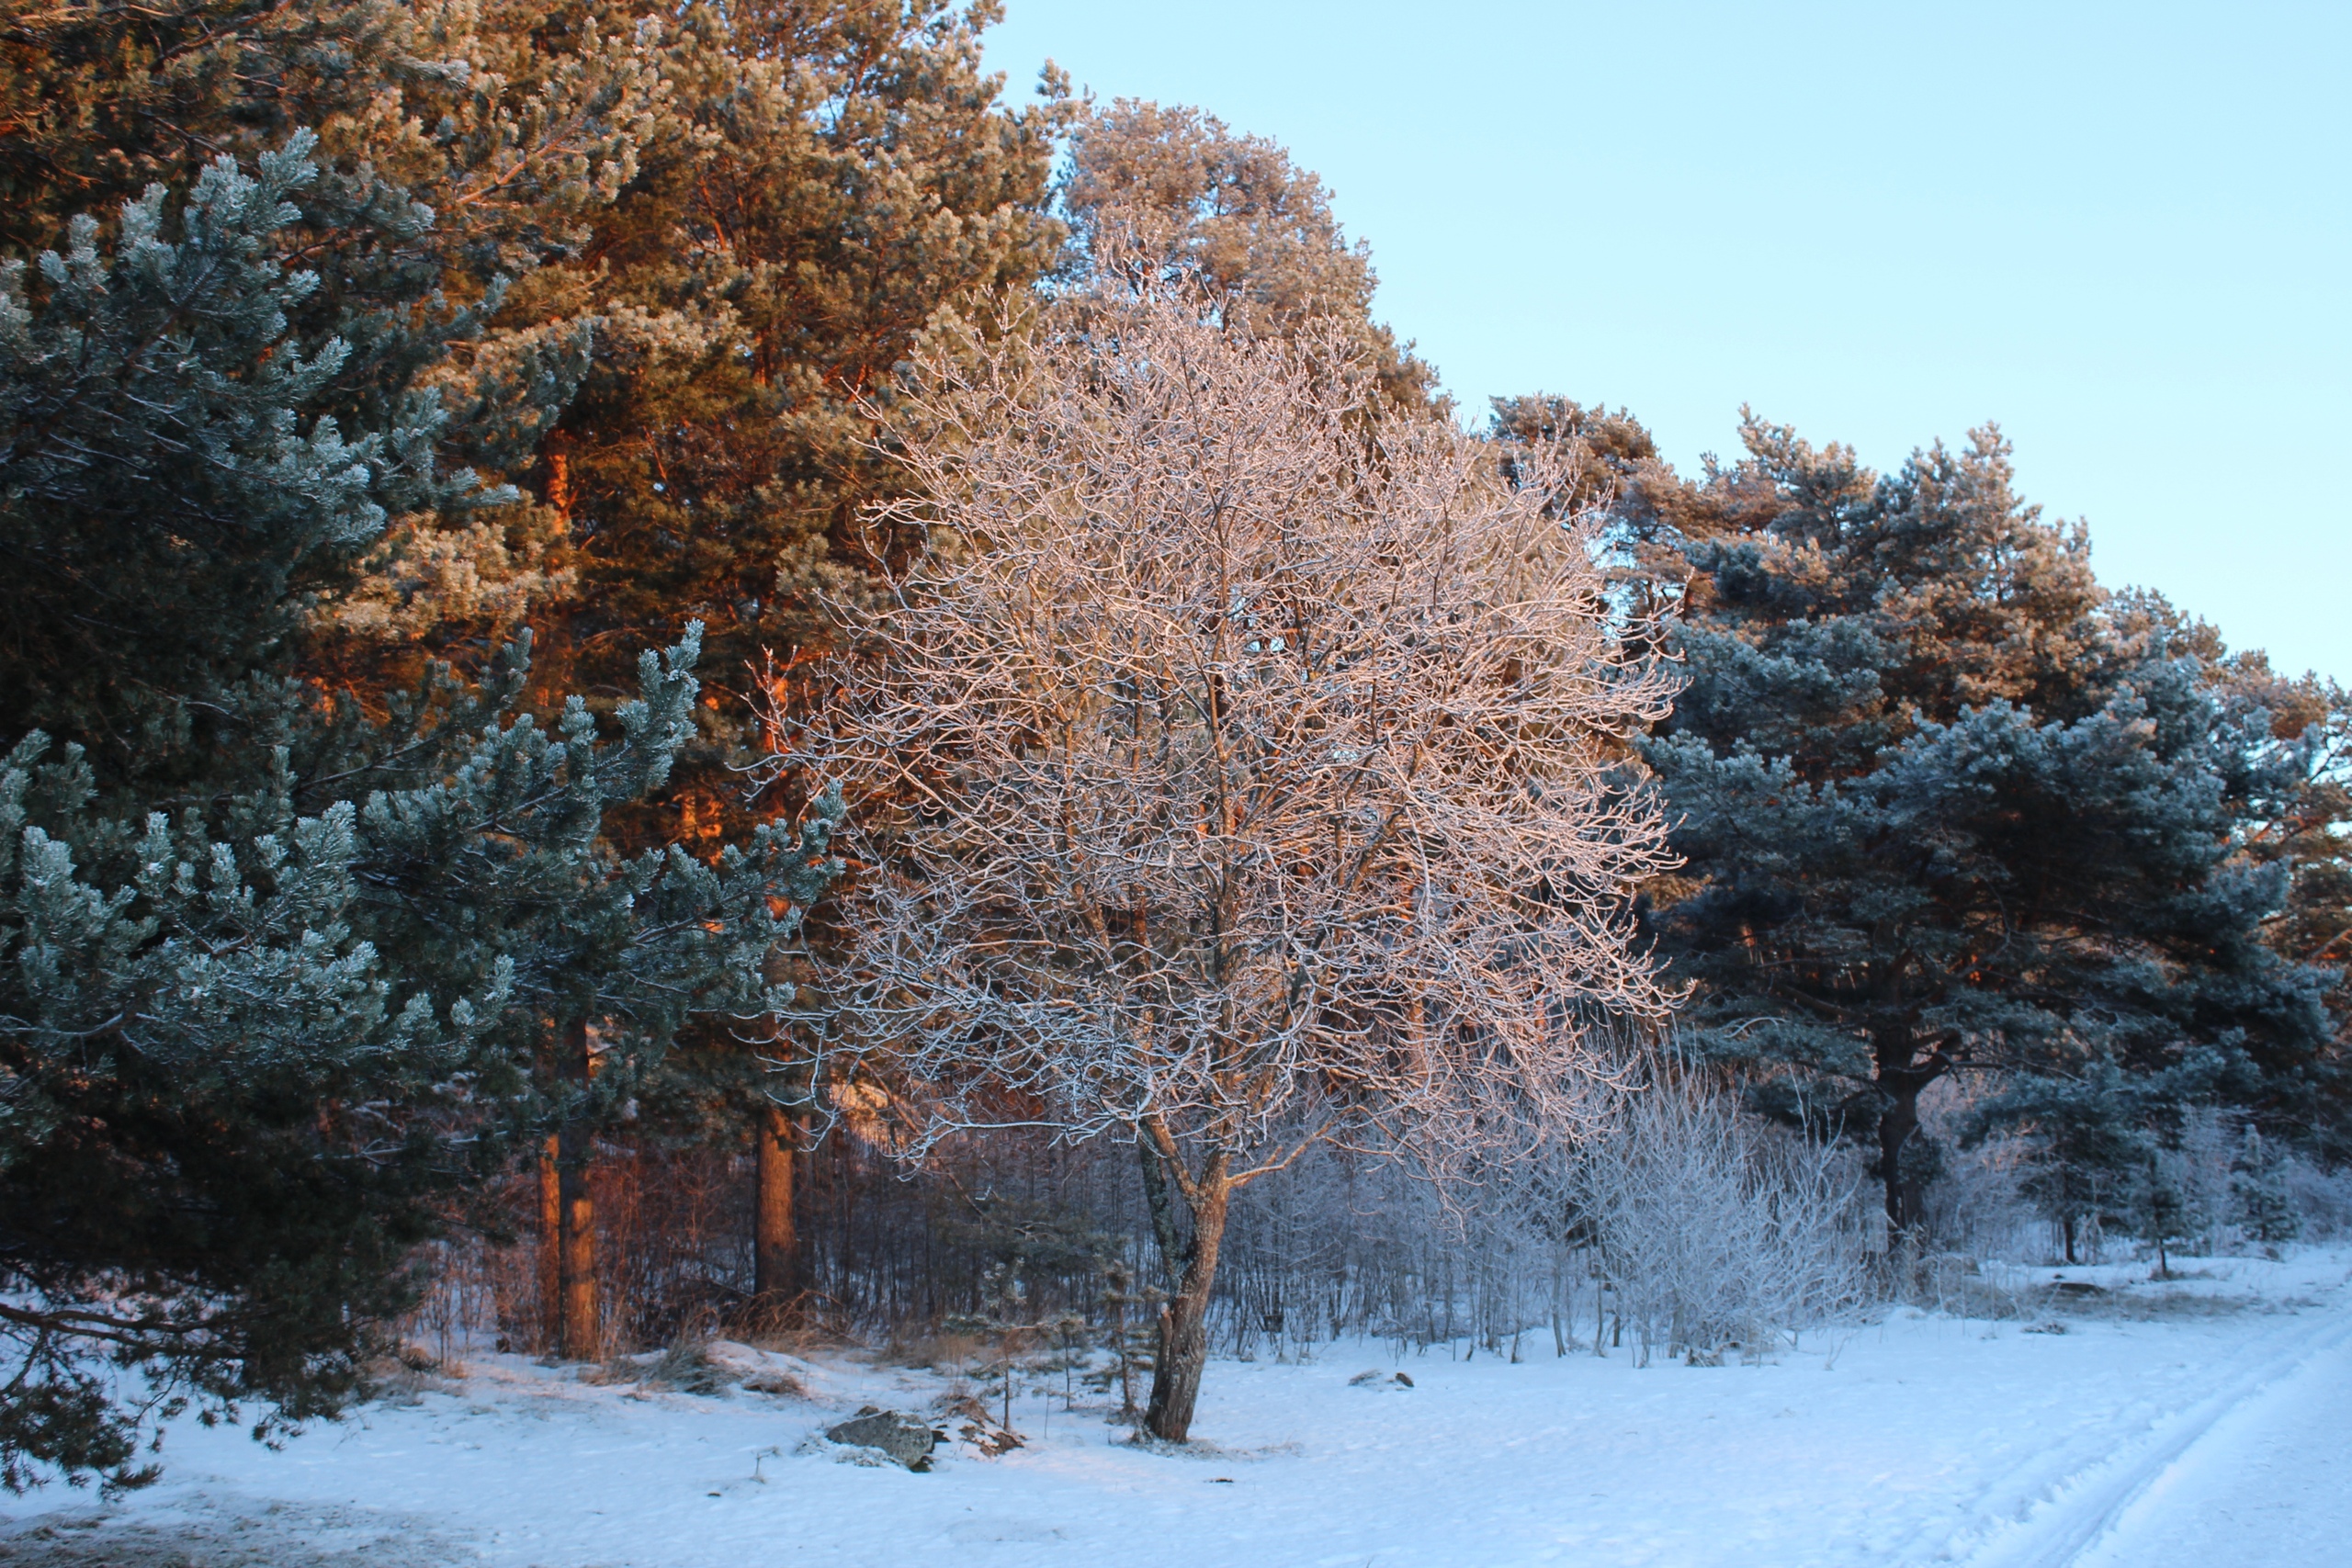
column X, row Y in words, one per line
column 775, row 1243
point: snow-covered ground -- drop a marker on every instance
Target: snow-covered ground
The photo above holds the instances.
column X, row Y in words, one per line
column 2274, row 1472
column 1923, row 1438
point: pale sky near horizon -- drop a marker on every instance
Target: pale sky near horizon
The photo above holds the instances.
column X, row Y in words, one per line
column 2123, row 232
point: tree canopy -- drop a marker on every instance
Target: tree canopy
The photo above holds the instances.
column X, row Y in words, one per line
column 275, row 974
column 1944, row 806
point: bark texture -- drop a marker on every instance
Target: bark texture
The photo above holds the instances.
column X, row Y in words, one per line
column 550, row 1259
column 580, row 1335
column 1183, row 1348
column 775, row 1237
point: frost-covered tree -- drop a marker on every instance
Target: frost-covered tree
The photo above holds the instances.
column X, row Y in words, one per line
column 2264, row 1205
column 272, row 981
column 1233, row 776
column 1709, row 1225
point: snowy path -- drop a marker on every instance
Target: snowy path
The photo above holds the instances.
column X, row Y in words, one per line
column 2276, row 1470
column 2261, row 1463
column 2191, row 1421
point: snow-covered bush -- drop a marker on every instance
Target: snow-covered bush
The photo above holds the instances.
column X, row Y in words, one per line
column 1975, row 1208
column 2200, row 1164
column 2321, row 1200
column 1715, row 1229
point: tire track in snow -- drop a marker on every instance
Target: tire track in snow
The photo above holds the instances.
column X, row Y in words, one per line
column 2088, row 1503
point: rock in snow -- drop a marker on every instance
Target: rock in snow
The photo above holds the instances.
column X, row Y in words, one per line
column 1375, row 1378
column 907, row 1438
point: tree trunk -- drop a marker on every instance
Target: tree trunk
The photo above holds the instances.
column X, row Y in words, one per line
column 775, row 1239
column 1183, row 1319
column 1559, row 1303
column 551, row 1259
column 1896, row 1123
column 580, row 1339
column 1125, row 1349
column 1184, row 1328
column 1901, row 1076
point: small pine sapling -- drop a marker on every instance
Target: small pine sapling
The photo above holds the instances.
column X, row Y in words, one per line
column 1003, row 1317
column 2162, row 1212
column 1069, row 1340
column 1131, row 1340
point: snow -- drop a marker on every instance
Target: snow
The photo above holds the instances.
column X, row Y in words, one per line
column 2159, row 1413
column 2274, row 1470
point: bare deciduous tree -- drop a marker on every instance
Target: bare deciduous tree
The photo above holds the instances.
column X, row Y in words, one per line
column 1239, row 770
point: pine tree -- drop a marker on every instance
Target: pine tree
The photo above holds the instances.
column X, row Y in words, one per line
column 462, row 145
column 2087, row 1138
column 274, row 980
column 2160, row 1210
column 659, row 264
column 841, row 181
column 170, row 517
column 2299, row 821
column 844, row 181
column 1940, row 811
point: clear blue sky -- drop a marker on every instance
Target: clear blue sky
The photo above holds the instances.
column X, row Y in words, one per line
column 2124, row 231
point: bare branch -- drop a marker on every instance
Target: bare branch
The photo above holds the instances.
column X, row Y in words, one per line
column 1241, row 768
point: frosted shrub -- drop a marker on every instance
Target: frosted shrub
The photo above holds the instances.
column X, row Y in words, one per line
column 1714, row 1229
column 2201, row 1166
column 2321, row 1200
column 1976, row 1208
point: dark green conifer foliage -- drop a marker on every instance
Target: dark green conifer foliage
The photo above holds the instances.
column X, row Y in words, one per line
column 732, row 222
column 267, row 1005
column 2299, row 822
column 833, row 182
column 1941, row 813
column 2161, row 1210
column 462, row 145
column 2089, row 1137
column 168, row 510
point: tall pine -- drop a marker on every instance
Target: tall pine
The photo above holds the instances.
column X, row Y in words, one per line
column 272, row 978
column 1944, row 810
column 833, row 183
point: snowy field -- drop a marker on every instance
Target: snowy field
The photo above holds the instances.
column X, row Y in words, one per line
column 2197, row 1423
